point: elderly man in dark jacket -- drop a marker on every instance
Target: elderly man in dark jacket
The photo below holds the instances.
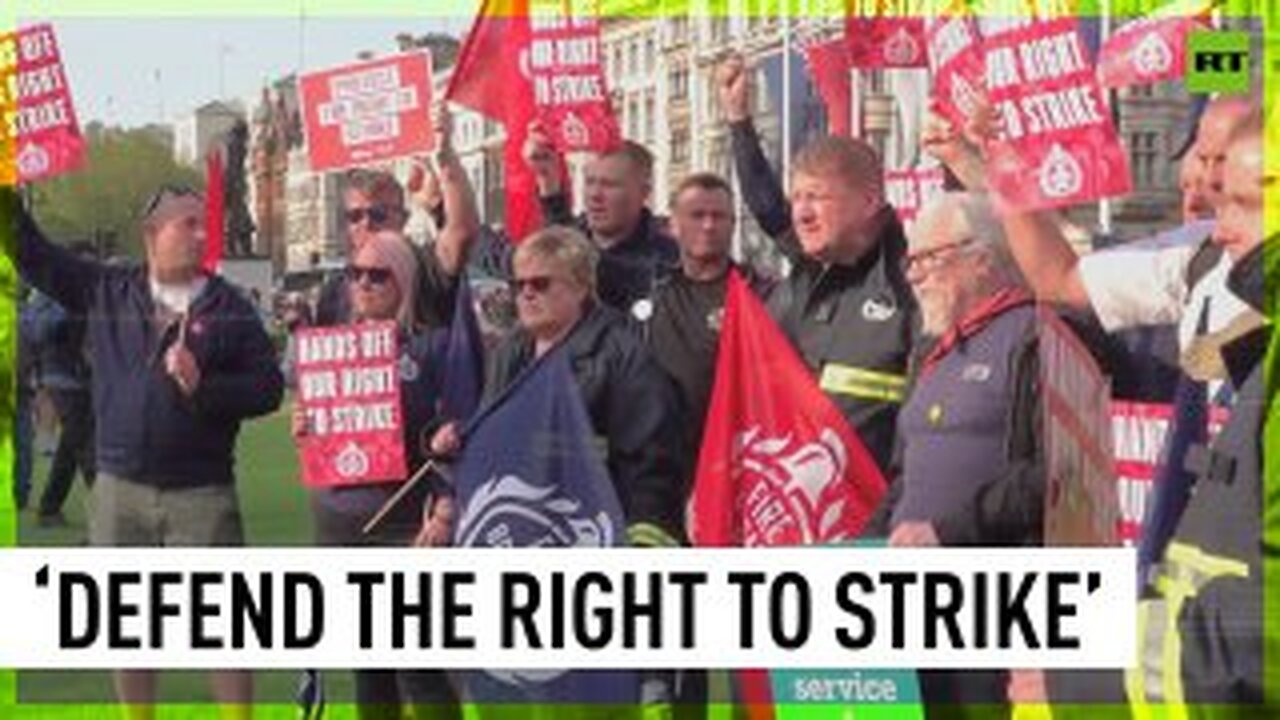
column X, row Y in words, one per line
column 180, row 359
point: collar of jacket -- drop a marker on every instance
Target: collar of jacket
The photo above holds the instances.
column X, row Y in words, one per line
column 643, row 233
column 973, row 322
column 1254, row 277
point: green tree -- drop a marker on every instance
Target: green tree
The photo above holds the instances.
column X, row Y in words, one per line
column 105, row 198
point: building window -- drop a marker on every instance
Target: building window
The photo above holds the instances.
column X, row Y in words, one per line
column 719, row 30
column 650, row 55
column 650, row 119
column 1142, row 158
column 678, row 78
column 633, row 58
column 633, row 119
column 680, row 29
column 679, row 146
column 1142, row 91
column 617, row 63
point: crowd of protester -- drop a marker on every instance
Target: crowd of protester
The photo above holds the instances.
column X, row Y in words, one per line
column 925, row 340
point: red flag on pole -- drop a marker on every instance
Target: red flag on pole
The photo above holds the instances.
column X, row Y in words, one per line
column 779, row 463
column 489, row 80
column 213, row 211
column 829, row 67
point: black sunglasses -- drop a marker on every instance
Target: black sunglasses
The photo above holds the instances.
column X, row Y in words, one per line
column 538, row 284
column 375, row 275
column 377, row 215
column 168, row 191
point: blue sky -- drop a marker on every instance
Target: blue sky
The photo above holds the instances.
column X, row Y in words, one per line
column 112, row 62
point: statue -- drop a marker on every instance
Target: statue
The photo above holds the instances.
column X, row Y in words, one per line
column 238, row 227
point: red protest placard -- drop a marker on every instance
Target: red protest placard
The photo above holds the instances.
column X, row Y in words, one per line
column 955, row 62
column 1146, row 51
column 909, row 190
column 564, row 63
column 1081, row 503
column 368, row 112
column 37, row 107
column 885, row 42
column 1138, row 432
column 1058, row 145
column 349, row 389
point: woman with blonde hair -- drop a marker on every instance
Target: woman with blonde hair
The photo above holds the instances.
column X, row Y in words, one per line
column 382, row 279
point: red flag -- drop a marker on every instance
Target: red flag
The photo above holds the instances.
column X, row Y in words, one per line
column 1146, row 51
column 489, row 80
column 779, row 463
column 213, row 211
column 886, row 42
column 829, row 67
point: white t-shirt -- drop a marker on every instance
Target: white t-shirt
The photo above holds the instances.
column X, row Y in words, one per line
column 1145, row 283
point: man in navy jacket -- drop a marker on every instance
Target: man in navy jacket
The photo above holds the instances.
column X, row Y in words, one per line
column 180, row 360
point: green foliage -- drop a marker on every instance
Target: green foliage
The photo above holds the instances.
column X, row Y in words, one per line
column 122, row 169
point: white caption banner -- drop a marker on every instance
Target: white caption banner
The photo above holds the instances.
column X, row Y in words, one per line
column 471, row 609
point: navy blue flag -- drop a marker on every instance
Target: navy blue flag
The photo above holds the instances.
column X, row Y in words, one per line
column 1173, row 483
column 463, row 358
column 531, row 475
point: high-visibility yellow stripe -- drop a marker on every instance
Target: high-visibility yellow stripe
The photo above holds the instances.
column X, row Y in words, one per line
column 649, row 535
column 1135, row 678
column 862, row 383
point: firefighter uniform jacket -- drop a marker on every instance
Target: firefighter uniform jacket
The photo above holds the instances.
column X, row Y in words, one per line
column 854, row 325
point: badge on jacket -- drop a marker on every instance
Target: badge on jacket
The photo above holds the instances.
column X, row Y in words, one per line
column 879, row 309
column 642, row 309
column 408, row 369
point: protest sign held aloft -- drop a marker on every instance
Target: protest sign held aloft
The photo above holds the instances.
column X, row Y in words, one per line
column 955, row 61
column 1146, row 51
column 35, row 101
column 349, row 389
column 564, row 61
column 368, row 112
column 1057, row 143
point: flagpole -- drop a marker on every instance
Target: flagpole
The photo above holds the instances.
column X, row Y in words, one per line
column 786, row 96
column 1104, row 205
column 394, row 500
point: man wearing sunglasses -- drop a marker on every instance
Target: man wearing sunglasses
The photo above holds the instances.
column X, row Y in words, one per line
column 373, row 201
column 180, row 359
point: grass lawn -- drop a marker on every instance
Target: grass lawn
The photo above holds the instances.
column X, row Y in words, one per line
column 275, row 510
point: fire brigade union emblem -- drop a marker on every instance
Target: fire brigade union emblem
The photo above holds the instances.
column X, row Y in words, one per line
column 901, row 49
column 506, row 510
column 1060, row 174
column 795, row 487
column 576, row 134
column 352, row 461
column 1152, row 55
column 408, row 369
column 33, row 160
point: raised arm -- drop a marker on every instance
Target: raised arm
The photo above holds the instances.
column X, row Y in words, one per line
column 761, row 190
column 54, row 270
column 462, row 219
column 1042, row 252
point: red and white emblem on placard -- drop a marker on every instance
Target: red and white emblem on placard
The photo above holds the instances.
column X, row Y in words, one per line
column 366, row 113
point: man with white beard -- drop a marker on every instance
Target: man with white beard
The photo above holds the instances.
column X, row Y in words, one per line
column 969, row 468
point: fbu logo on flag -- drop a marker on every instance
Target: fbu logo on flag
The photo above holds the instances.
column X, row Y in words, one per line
column 1219, row 62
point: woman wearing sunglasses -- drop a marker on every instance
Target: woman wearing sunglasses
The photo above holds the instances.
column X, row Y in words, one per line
column 381, row 282
column 631, row 401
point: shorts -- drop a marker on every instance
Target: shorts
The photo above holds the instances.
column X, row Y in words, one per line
column 132, row 514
